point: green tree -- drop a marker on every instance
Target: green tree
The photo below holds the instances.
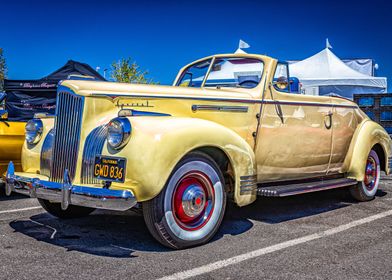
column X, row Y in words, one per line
column 127, row 71
column 3, row 69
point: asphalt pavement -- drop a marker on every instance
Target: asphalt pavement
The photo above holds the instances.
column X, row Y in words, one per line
column 324, row 235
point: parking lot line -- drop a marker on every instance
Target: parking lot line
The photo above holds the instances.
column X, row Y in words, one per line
column 20, row 210
column 277, row 247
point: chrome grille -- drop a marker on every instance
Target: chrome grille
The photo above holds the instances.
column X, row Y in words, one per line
column 92, row 147
column 46, row 154
column 69, row 112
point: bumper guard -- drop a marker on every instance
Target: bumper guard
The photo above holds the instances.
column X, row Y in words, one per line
column 68, row 194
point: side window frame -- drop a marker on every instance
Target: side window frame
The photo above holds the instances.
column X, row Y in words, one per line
column 211, row 59
column 288, row 77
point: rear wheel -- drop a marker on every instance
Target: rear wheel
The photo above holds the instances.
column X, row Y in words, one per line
column 190, row 209
column 72, row 211
column 2, row 189
column 366, row 190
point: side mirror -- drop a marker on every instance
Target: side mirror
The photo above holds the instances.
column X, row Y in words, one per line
column 3, row 115
column 281, row 83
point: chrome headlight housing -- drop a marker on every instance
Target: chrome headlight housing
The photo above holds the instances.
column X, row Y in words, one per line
column 33, row 130
column 119, row 132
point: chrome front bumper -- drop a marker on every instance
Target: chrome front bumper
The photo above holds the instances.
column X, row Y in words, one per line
column 68, row 194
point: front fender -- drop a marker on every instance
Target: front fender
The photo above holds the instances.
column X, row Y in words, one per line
column 367, row 134
column 157, row 144
column 31, row 155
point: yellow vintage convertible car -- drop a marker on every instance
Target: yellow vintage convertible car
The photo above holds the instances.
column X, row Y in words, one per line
column 228, row 128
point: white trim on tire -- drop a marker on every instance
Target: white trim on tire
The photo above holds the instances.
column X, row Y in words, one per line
column 218, row 203
column 373, row 191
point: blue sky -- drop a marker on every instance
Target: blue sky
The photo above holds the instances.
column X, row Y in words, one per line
column 40, row 36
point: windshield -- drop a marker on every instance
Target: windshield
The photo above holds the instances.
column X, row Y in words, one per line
column 194, row 75
column 225, row 72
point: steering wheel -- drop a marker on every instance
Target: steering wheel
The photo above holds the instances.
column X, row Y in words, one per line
column 248, row 83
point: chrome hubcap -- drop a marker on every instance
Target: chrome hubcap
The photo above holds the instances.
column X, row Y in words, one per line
column 193, row 200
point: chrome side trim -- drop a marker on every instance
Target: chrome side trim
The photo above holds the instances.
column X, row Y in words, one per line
column 322, row 188
column 247, row 177
column 312, row 104
column 248, row 184
column 69, row 112
column 46, row 153
column 239, row 109
column 68, row 194
column 390, row 164
column 92, row 147
column 136, row 113
column 301, row 188
column 215, row 99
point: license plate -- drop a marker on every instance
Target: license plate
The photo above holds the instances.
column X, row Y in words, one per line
column 110, row 168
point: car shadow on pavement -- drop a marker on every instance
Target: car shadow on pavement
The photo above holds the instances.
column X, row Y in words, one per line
column 277, row 210
column 103, row 233
column 120, row 234
column 3, row 197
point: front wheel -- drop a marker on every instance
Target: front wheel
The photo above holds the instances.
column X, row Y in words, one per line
column 190, row 209
column 72, row 211
column 366, row 190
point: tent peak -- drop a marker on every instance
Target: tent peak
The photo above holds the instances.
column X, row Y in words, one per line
column 326, row 72
column 74, row 67
column 324, row 64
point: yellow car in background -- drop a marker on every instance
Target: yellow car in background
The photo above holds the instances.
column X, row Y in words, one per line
column 228, row 128
column 11, row 139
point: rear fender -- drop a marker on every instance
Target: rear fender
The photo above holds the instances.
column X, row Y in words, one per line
column 367, row 135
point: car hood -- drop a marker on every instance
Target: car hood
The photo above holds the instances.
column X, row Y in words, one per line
column 125, row 90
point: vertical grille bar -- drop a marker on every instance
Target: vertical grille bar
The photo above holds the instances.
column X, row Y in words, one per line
column 92, row 147
column 47, row 153
column 69, row 114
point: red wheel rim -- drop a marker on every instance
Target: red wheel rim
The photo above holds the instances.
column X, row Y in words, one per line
column 193, row 201
column 371, row 173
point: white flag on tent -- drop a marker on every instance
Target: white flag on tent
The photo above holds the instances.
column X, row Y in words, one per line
column 243, row 45
column 328, row 45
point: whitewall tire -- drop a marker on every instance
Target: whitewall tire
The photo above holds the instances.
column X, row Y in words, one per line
column 367, row 189
column 190, row 209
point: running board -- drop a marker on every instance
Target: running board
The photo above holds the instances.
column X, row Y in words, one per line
column 300, row 188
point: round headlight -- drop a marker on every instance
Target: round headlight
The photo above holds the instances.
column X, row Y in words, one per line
column 119, row 131
column 33, row 131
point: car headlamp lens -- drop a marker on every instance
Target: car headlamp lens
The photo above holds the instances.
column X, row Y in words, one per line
column 33, row 131
column 119, row 131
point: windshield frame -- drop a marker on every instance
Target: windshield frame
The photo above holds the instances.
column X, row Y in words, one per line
column 187, row 67
column 213, row 58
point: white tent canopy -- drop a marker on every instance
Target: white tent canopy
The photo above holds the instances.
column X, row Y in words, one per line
column 327, row 72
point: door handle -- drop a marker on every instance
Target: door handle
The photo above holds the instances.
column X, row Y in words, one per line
column 329, row 124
